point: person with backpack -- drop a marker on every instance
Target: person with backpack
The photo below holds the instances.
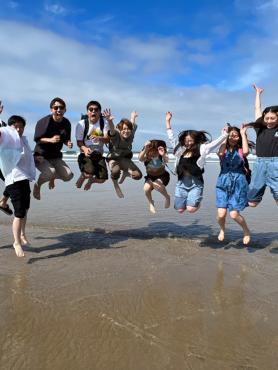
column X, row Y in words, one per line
column 51, row 133
column 154, row 156
column 265, row 169
column 91, row 135
column 232, row 182
column 120, row 149
column 190, row 149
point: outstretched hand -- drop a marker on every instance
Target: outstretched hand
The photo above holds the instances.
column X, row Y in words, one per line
column 243, row 129
column 107, row 114
column 133, row 116
column 258, row 89
column 168, row 116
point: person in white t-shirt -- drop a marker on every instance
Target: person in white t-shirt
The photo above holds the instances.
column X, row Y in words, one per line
column 19, row 169
column 4, row 207
column 91, row 135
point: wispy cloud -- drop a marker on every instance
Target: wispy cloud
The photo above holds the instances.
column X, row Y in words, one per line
column 268, row 5
column 55, row 8
column 13, row 4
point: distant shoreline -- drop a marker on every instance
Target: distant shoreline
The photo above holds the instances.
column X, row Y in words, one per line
column 71, row 155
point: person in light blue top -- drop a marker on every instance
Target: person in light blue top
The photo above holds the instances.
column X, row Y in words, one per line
column 232, row 185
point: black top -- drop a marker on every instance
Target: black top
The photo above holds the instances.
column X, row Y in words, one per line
column 188, row 165
column 267, row 141
column 47, row 128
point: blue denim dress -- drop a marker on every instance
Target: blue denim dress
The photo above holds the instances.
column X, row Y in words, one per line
column 232, row 186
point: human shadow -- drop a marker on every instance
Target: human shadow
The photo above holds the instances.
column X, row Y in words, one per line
column 75, row 242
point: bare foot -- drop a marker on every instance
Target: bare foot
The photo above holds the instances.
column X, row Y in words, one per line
column 123, row 177
column 151, row 207
column 167, row 201
column 24, row 240
column 221, row 236
column 80, row 181
column 18, row 250
column 88, row 184
column 37, row 191
column 246, row 239
column 51, row 184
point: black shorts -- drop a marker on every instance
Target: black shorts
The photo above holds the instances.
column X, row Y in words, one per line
column 164, row 178
column 19, row 192
column 94, row 165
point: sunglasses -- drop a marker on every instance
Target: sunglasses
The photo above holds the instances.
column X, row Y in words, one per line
column 93, row 109
column 56, row 107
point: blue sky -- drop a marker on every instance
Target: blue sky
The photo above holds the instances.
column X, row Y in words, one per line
column 197, row 59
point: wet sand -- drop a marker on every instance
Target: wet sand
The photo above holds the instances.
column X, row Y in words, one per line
column 107, row 286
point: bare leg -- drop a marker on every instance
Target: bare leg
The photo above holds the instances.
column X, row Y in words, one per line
column 23, row 238
column 80, row 181
column 192, row 209
column 236, row 216
column 117, row 188
column 17, row 224
column 162, row 190
column 221, row 218
column 51, row 184
column 123, row 177
column 148, row 188
column 91, row 181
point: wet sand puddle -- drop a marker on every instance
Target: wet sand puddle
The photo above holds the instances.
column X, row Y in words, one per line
column 119, row 300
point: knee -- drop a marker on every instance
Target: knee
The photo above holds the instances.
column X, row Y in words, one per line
column 234, row 215
column 192, row 209
column 136, row 175
column 181, row 210
column 68, row 177
column 253, row 204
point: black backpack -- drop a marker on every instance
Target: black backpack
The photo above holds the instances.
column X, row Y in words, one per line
column 86, row 119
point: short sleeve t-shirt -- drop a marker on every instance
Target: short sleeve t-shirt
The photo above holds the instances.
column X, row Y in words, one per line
column 267, row 141
column 94, row 129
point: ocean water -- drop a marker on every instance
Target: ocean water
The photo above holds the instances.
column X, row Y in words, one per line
column 69, row 207
column 106, row 285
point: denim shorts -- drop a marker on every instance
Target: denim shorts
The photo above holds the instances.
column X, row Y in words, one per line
column 265, row 173
column 188, row 192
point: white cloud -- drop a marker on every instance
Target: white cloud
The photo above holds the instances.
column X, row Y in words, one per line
column 56, row 9
column 36, row 65
column 268, row 5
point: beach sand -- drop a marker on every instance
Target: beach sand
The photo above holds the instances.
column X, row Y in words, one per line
column 105, row 285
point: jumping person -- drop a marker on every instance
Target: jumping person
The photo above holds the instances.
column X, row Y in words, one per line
column 4, row 207
column 91, row 134
column 51, row 133
column 154, row 156
column 190, row 150
column 22, row 170
column 232, row 184
column 120, row 150
column 265, row 169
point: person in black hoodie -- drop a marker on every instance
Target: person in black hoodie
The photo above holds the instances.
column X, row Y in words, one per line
column 51, row 133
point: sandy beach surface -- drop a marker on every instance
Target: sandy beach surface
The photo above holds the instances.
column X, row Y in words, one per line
column 105, row 285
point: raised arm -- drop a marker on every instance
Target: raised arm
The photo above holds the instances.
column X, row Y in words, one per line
column 173, row 141
column 133, row 116
column 258, row 109
column 245, row 146
column 143, row 154
column 109, row 118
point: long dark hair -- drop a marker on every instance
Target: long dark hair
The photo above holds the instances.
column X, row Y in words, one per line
column 251, row 144
column 199, row 137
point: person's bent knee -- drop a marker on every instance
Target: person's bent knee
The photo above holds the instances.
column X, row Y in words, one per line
column 69, row 177
column 136, row 175
column 180, row 210
column 192, row 209
column 234, row 214
column 253, row 204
